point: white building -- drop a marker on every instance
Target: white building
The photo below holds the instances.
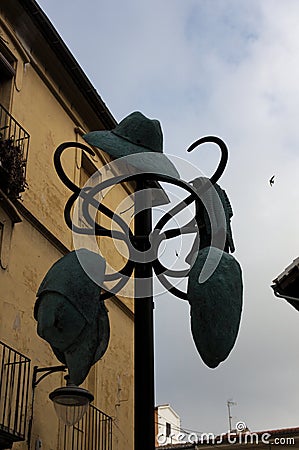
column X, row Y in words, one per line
column 167, row 425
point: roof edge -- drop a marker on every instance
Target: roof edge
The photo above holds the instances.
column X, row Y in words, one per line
column 67, row 59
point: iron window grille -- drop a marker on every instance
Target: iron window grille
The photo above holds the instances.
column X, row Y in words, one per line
column 14, row 144
column 14, row 390
column 93, row 432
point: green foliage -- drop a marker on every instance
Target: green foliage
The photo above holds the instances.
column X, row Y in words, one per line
column 12, row 168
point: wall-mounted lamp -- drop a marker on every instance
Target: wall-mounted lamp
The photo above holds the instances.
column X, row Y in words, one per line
column 71, row 403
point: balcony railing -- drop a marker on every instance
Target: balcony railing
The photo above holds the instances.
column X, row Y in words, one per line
column 14, row 144
column 14, row 389
column 93, row 432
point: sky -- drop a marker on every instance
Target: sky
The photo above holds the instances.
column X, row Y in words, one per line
column 229, row 68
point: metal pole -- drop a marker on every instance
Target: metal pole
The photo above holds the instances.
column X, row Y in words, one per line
column 143, row 328
column 229, row 417
column 229, row 404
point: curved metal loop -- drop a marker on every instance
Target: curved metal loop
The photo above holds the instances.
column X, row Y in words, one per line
column 211, row 181
column 124, row 275
column 122, row 282
column 162, row 272
column 224, row 154
column 170, row 288
column 87, row 231
column 58, row 166
column 170, row 234
column 160, row 269
column 67, row 213
column 135, row 177
column 175, row 210
column 99, row 230
column 126, row 270
column 89, row 199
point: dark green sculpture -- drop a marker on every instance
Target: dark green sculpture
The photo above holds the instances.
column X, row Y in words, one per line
column 136, row 144
column 71, row 316
column 216, row 305
column 214, row 213
column 215, row 287
column 140, row 139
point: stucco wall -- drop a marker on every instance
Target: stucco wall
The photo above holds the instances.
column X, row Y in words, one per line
column 39, row 105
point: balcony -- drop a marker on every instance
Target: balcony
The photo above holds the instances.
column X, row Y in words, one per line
column 14, row 389
column 93, row 432
column 14, row 144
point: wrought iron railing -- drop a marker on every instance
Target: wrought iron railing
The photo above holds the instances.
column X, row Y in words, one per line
column 11, row 129
column 14, row 390
column 14, row 144
column 93, row 432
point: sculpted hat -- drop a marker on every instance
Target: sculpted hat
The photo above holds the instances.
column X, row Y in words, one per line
column 134, row 135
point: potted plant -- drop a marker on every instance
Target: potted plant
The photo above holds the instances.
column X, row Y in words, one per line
column 12, row 167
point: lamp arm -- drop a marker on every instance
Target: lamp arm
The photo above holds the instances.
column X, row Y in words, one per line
column 46, row 371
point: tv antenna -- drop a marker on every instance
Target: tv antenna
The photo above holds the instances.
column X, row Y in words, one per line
column 230, row 403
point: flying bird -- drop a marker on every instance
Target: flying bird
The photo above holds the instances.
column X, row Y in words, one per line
column 271, row 181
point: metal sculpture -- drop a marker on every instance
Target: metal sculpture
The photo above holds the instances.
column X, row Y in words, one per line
column 135, row 135
column 216, row 305
column 118, row 143
column 70, row 314
column 214, row 293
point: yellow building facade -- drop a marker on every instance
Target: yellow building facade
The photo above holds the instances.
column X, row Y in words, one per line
column 46, row 99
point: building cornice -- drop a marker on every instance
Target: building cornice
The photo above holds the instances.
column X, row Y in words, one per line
column 68, row 61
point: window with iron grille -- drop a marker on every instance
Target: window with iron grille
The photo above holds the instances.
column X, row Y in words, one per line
column 14, row 140
column 93, row 432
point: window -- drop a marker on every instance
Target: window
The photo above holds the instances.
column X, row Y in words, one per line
column 7, row 73
column 14, row 140
column 168, row 429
